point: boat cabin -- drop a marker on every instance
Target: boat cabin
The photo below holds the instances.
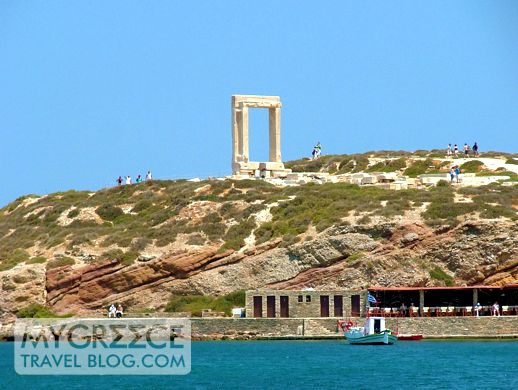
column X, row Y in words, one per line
column 374, row 325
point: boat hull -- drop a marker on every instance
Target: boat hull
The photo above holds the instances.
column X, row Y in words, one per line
column 371, row 339
column 412, row 337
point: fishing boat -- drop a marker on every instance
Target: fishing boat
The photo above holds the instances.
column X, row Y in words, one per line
column 372, row 333
column 409, row 337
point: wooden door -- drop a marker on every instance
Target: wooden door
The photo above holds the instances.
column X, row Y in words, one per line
column 377, row 326
column 258, row 306
column 285, row 306
column 338, row 301
column 324, row 306
column 270, row 306
column 355, row 305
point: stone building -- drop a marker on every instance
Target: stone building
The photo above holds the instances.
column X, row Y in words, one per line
column 389, row 302
column 305, row 303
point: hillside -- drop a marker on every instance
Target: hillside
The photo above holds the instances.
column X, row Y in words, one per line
column 143, row 244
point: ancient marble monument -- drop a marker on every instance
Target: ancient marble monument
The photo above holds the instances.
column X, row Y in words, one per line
column 241, row 164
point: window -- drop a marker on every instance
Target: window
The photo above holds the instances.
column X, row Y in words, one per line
column 308, row 298
column 301, row 298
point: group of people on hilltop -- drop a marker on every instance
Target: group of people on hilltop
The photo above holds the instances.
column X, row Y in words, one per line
column 455, row 173
column 115, row 311
column 467, row 150
column 139, row 179
column 450, row 151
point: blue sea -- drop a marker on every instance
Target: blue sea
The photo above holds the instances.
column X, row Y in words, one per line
column 310, row 365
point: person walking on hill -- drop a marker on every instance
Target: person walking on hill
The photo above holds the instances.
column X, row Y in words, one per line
column 457, row 174
column 456, row 150
column 466, row 150
column 119, row 180
column 475, row 149
column 149, row 176
column 128, row 179
column 317, row 150
column 452, row 174
column 139, row 179
column 448, row 150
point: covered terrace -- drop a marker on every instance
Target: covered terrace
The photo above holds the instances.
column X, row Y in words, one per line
column 443, row 301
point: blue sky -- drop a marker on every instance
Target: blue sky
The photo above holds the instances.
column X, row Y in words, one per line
column 93, row 90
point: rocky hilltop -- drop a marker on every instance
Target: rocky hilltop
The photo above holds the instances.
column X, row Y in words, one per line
column 76, row 252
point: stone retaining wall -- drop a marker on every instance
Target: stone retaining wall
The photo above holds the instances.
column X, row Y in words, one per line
column 456, row 326
column 257, row 328
column 246, row 328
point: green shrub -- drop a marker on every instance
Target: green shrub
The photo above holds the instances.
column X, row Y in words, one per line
column 444, row 208
column 355, row 256
column 189, row 303
column 264, row 233
column 438, row 274
column 129, row 257
column 7, row 264
column 388, row 166
column 236, row 234
column 213, row 230
column 472, row 166
column 139, row 244
column 126, row 258
column 226, row 302
column 289, row 239
column 159, row 217
column 14, row 258
column 359, row 163
column 73, row 213
column 19, row 255
column 166, row 234
column 36, row 260
column 109, row 212
column 35, row 310
column 112, row 254
column 82, row 236
column 512, row 161
column 492, row 212
column 141, row 206
column 366, row 219
column 20, row 279
column 420, row 167
column 196, row 239
column 60, row 262
column 196, row 303
column 211, row 218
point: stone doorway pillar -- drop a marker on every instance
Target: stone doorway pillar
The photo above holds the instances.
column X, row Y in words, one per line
column 275, row 134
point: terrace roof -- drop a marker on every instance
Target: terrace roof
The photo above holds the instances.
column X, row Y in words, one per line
column 441, row 288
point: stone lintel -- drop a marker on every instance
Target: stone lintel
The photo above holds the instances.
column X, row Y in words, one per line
column 239, row 101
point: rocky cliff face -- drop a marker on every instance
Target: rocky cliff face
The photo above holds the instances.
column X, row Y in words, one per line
column 342, row 257
column 79, row 252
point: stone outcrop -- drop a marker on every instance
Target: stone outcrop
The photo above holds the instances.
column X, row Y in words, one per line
column 339, row 258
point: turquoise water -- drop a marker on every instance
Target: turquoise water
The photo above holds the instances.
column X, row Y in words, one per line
column 310, row 365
